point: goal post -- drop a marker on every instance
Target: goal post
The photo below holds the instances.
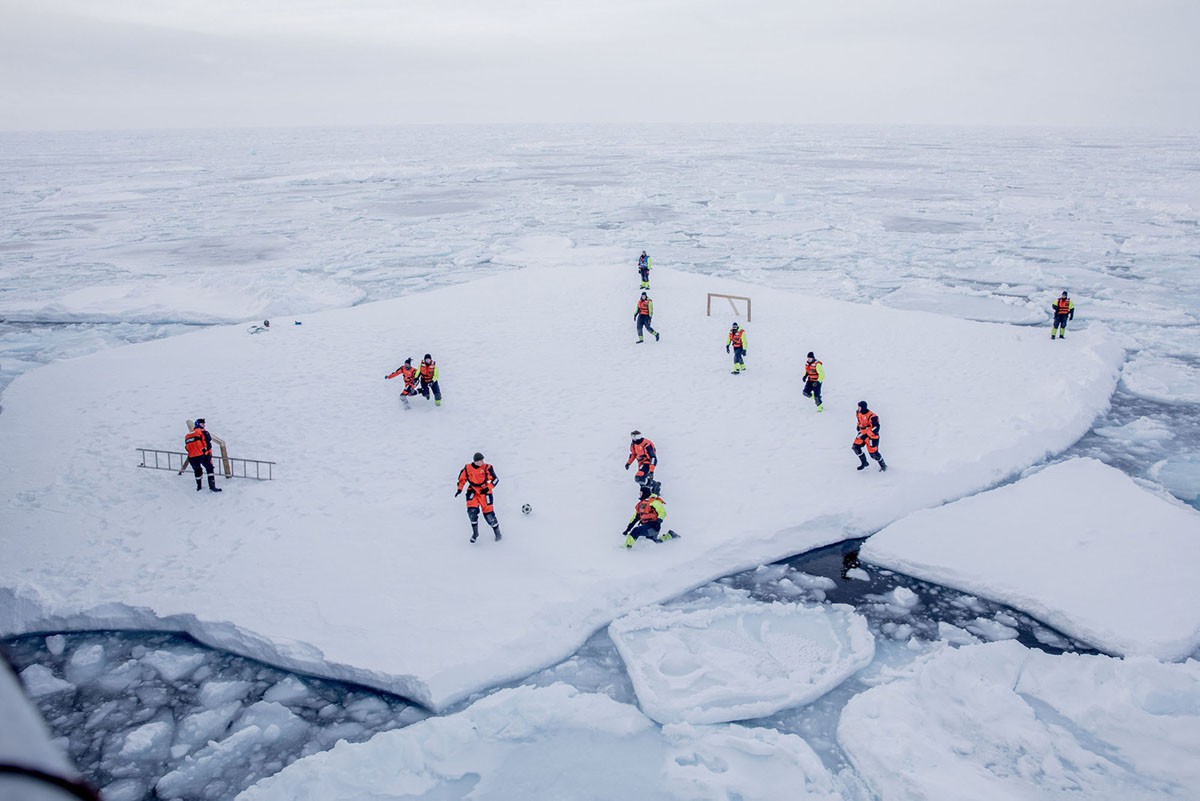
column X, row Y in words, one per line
column 732, row 305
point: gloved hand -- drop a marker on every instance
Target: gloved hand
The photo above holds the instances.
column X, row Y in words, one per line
column 745, row 353
column 386, row 377
column 458, row 493
column 626, row 467
column 727, row 349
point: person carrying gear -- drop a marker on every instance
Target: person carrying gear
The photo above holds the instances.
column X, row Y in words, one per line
column 481, row 478
column 868, row 434
column 642, row 315
column 1063, row 310
column 642, row 449
column 814, row 376
column 199, row 452
column 428, row 375
column 410, row 379
column 737, row 341
column 647, row 520
column 644, row 269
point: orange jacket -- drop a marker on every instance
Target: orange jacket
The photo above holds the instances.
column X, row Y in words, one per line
column 429, row 372
column 645, row 307
column 737, row 338
column 482, row 479
column 646, row 510
column 408, row 371
column 642, row 450
column 198, row 442
column 868, row 423
column 811, row 372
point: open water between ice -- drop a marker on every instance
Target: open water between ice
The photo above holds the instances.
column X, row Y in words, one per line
column 149, row 715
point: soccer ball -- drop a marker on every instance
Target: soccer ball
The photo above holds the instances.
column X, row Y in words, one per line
column 526, row 508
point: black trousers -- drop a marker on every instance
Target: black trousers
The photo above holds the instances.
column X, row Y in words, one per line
column 812, row 389
column 643, row 321
column 198, row 462
column 1060, row 321
column 648, row 530
column 425, row 387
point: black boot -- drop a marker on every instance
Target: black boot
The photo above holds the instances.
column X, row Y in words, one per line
column 882, row 465
column 862, row 459
column 497, row 530
column 212, row 484
column 199, row 485
column 474, row 533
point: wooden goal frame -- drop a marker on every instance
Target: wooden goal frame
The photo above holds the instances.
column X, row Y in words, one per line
column 732, row 305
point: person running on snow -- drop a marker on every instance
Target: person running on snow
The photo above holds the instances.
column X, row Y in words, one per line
column 410, row 379
column 642, row 449
column 647, row 520
column 642, row 315
column 1063, row 310
column 644, row 269
column 199, row 450
column 482, row 479
column 428, row 375
column 814, row 376
column 737, row 340
column 868, row 434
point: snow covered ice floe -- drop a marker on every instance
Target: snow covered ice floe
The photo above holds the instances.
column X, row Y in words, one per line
column 1163, row 380
column 1002, row 721
column 1077, row 545
column 354, row 563
column 740, row 661
column 544, row 743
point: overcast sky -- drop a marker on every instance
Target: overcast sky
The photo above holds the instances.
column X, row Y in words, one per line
column 211, row 63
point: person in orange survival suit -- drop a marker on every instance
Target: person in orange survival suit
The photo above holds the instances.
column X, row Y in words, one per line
column 482, row 479
column 868, row 434
column 428, row 373
column 642, row 450
column 199, row 451
column 410, row 374
column 647, row 520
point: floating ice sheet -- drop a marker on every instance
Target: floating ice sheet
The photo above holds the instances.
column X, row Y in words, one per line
column 1003, row 721
column 556, row 742
column 1078, row 545
column 739, row 662
column 354, row 562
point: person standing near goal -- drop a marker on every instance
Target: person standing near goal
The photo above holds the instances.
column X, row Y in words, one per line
column 642, row 315
column 737, row 341
column 644, row 269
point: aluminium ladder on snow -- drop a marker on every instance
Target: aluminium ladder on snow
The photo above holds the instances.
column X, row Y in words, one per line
column 235, row 467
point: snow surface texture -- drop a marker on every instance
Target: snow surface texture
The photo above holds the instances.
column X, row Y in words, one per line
column 738, row 662
column 338, row 567
column 1001, row 721
column 1078, row 545
column 556, row 742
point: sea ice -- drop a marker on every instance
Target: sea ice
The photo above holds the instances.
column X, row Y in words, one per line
column 1162, row 379
column 1077, row 545
column 555, row 742
column 1002, row 721
column 338, row 567
column 740, row 661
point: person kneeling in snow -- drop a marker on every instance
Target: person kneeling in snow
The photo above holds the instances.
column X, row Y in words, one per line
column 647, row 520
